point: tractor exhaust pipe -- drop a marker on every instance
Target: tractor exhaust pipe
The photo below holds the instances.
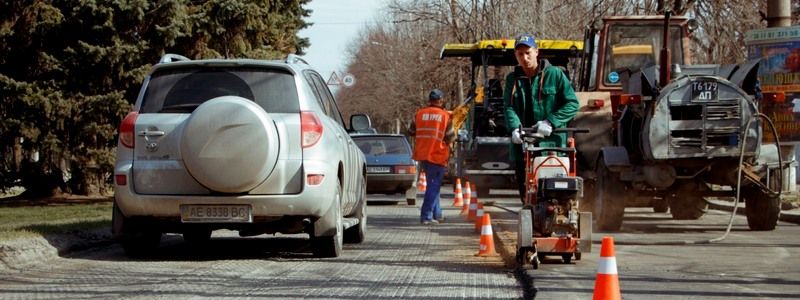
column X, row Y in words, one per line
column 665, row 57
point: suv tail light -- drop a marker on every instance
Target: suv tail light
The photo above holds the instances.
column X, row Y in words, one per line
column 126, row 134
column 310, row 128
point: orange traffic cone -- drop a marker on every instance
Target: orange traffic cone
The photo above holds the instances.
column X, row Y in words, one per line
column 473, row 192
column 458, row 199
column 422, row 182
column 487, row 237
column 606, row 285
column 473, row 209
column 467, row 200
column 479, row 217
column 467, row 193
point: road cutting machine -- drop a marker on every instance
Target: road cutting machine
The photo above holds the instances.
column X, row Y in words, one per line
column 550, row 223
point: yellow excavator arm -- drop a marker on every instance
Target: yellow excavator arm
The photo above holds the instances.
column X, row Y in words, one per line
column 459, row 116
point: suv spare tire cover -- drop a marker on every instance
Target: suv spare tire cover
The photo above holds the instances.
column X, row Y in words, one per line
column 229, row 144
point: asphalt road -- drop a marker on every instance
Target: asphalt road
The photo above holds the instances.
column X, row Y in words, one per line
column 401, row 259
column 745, row 265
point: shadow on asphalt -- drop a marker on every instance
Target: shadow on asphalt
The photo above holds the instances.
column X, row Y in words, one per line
column 173, row 248
column 287, row 247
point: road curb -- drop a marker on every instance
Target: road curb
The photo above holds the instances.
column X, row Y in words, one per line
column 504, row 239
column 19, row 253
column 791, row 216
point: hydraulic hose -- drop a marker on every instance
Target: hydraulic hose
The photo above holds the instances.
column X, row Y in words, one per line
column 738, row 191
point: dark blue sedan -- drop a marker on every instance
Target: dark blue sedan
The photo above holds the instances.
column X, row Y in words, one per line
column 390, row 169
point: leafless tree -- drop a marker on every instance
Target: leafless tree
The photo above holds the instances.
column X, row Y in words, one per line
column 396, row 60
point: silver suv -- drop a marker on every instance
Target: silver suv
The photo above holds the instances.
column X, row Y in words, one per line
column 249, row 145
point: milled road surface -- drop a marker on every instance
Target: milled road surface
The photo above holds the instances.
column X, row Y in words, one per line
column 746, row 265
column 401, row 259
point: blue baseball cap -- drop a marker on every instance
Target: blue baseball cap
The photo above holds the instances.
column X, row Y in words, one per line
column 435, row 94
column 525, row 39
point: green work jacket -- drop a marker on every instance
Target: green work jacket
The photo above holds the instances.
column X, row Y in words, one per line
column 523, row 105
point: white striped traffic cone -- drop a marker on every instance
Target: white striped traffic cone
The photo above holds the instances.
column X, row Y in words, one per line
column 422, row 182
column 458, row 199
column 606, row 285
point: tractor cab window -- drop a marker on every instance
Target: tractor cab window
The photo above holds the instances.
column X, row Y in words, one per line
column 637, row 47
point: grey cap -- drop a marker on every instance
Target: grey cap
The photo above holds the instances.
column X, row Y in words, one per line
column 435, row 94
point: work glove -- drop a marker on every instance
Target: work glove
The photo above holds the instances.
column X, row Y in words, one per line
column 463, row 135
column 544, row 128
column 516, row 138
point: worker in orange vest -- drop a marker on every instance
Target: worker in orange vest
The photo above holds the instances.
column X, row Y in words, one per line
column 433, row 132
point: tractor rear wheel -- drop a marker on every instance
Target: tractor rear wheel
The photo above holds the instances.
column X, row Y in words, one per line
column 688, row 202
column 660, row 205
column 609, row 198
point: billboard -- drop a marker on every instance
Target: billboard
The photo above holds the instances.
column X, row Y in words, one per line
column 779, row 51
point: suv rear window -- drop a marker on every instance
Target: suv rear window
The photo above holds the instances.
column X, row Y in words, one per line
column 182, row 90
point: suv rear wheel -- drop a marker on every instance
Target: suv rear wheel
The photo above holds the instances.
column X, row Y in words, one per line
column 136, row 242
column 329, row 245
column 357, row 233
column 197, row 237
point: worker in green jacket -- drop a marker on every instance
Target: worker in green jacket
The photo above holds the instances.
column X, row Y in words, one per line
column 539, row 94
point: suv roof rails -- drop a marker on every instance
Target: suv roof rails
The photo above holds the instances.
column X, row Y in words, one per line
column 170, row 57
column 293, row 58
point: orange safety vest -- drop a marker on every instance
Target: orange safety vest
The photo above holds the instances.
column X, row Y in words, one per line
column 431, row 124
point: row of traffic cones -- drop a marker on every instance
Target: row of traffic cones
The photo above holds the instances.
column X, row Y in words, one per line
column 468, row 200
column 606, row 285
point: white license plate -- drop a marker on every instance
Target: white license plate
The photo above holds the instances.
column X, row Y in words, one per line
column 379, row 169
column 216, row 213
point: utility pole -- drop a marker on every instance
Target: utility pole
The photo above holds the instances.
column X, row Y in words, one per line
column 779, row 13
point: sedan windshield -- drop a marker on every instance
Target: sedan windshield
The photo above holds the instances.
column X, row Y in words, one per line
column 383, row 145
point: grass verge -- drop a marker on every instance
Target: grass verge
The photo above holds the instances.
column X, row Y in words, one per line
column 25, row 221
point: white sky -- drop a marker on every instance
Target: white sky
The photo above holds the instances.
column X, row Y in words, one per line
column 336, row 25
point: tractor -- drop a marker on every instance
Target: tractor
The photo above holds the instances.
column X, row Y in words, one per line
column 666, row 133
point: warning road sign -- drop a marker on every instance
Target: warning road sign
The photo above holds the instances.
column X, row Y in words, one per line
column 334, row 79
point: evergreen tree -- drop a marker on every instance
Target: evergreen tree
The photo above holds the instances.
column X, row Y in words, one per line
column 71, row 69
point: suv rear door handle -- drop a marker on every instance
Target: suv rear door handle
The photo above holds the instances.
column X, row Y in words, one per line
column 146, row 133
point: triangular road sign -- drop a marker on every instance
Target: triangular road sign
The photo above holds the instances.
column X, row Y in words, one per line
column 334, row 79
